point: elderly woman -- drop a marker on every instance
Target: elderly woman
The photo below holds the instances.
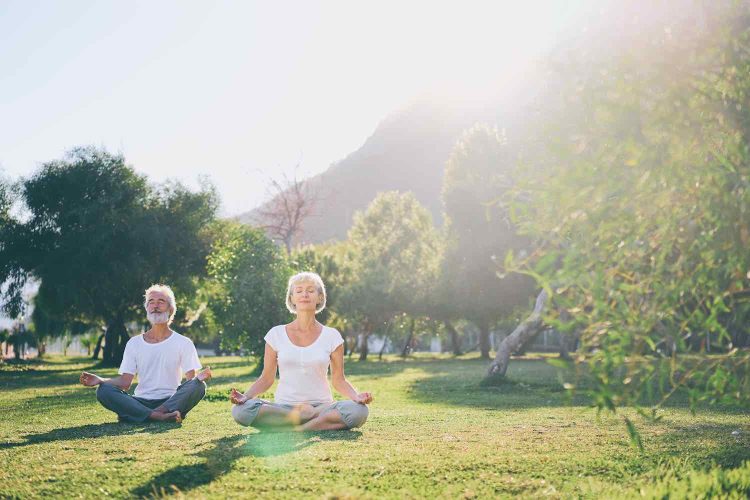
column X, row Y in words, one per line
column 303, row 350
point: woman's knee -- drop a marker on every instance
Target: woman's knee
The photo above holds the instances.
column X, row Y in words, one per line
column 353, row 414
column 245, row 413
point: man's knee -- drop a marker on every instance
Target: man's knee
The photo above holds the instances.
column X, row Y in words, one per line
column 200, row 388
column 104, row 392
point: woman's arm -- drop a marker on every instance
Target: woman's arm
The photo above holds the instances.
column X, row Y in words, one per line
column 339, row 380
column 264, row 382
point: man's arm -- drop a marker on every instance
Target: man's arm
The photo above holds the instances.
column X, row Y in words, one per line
column 189, row 361
column 123, row 381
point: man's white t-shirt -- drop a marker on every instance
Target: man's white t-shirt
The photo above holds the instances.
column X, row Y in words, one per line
column 303, row 371
column 159, row 366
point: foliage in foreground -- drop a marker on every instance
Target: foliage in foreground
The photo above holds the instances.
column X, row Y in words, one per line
column 639, row 202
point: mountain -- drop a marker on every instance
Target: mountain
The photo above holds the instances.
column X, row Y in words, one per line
column 407, row 152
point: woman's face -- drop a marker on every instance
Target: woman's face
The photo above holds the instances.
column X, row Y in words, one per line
column 305, row 296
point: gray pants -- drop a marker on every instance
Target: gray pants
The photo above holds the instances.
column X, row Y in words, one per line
column 353, row 414
column 132, row 409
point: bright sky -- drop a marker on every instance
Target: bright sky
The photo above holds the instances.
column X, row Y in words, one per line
column 243, row 91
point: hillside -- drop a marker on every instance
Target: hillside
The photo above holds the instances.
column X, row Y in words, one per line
column 407, row 152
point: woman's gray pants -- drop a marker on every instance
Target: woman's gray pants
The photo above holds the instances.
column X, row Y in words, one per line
column 132, row 409
column 353, row 414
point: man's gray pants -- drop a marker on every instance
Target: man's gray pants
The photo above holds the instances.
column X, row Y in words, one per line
column 132, row 409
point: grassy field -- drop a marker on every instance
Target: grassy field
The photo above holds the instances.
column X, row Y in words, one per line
column 432, row 432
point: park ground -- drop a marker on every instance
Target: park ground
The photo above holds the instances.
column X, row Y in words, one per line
column 433, row 431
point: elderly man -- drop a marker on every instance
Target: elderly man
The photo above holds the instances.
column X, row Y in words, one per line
column 159, row 357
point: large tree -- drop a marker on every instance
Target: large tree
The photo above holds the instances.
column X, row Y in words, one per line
column 97, row 234
column 479, row 230
column 250, row 273
column 393, row 262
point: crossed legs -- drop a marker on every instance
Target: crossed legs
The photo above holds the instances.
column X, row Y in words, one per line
column 136, row 410
column 302, row 417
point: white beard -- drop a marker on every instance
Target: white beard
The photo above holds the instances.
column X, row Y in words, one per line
column 157, row 318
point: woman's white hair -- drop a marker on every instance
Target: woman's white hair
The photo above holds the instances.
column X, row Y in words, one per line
column 306, row 277
column 166, row 291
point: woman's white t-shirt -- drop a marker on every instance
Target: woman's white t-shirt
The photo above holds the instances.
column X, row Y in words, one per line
column 303, row 371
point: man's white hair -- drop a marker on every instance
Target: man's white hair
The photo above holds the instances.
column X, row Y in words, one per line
column 170, row 298
column 306, row 277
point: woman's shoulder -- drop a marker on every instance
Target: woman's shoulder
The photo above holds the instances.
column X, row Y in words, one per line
column 276, row 331
column 333, row 335
column 329, row 330
column 277, row 328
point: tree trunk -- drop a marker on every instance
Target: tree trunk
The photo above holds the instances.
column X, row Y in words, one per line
column 98, row 346
column 115, row 339
column 385, row 341
column 41, row 349
column 363, row 346
column 352, row 346
column 455, row 341
column 528, row 328
column 484, row 340
column 382, row 348
column 567, row 344
column 17, row 350
column 405, row 350
column 256, row 372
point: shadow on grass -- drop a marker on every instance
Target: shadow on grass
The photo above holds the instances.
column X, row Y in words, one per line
column 91, row 431
column 531, row 383
column 733, row 452
column 220, row 457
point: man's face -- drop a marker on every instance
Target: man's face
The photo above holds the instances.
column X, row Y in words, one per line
column 157, row 308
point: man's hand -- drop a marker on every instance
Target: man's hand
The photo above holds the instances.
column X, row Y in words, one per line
column 236, row 397
column 363, row 398
column 90, row 380
column 205, row 375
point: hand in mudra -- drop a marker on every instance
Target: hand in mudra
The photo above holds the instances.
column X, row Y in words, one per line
column 236, row 397
column 89, row 379
column 363, row 398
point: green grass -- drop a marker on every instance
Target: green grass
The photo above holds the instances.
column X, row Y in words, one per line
column 432, row 431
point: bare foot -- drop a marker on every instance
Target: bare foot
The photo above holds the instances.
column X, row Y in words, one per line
column 166, row 417
column 205, row 374
column 302, row 413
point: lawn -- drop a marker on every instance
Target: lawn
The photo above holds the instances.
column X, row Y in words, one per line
column 432, row 432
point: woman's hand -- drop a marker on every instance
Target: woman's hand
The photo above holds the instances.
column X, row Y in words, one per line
column 236, row 397
column 363, row 398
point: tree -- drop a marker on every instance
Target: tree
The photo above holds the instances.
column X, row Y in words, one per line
column 393, row 262
column 640, row 208
column 478, row 172
column 251, row 274
column 97, row 235
column 523, row 333
column 292, row 201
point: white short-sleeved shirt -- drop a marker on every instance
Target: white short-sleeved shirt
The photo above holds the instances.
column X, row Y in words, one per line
column 159, row 366
column 303, row 371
